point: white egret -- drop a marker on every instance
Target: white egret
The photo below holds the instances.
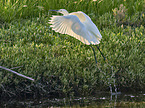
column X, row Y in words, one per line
column 78, row 25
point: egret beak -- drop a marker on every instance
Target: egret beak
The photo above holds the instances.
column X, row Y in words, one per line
column 53, row 10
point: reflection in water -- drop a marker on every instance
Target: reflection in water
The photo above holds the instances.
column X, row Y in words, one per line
column 100, row 100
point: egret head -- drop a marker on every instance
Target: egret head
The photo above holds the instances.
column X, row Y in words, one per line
column 62, row 11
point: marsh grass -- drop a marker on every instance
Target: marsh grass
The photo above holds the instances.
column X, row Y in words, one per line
column 62, row 65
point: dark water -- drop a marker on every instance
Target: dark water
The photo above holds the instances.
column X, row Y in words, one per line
column 102, row 100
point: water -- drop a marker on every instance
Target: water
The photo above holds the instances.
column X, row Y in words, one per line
column 101, row 100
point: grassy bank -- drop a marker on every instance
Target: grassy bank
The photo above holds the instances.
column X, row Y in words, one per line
column 62, row 65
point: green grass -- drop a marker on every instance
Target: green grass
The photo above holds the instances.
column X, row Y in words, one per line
column 63, row 65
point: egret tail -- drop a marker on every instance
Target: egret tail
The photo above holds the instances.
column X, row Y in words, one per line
column 101, row 53
column 94, row 54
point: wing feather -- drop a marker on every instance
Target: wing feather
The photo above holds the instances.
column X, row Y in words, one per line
column 64, row 28
column 91, row 27
column 59, row 27
column 94, row 34
column 70, row 25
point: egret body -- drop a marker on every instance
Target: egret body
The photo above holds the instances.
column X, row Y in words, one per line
column 78, row 25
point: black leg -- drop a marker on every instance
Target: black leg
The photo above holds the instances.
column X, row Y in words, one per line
column 94, row 53
column 101, row 52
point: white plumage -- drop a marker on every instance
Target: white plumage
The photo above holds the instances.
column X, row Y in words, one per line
column 76, row 24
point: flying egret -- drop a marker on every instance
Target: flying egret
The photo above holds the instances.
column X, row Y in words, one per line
column 78, row 25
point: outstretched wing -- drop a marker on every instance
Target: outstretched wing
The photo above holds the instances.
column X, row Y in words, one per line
column 90, row 26
column 72, row 26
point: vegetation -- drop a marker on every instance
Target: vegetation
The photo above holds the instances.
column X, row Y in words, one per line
column 62, row 65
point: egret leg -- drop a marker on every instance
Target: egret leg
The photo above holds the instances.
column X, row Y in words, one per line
column 115, row 87
column 94, row 54
column 101, row 52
